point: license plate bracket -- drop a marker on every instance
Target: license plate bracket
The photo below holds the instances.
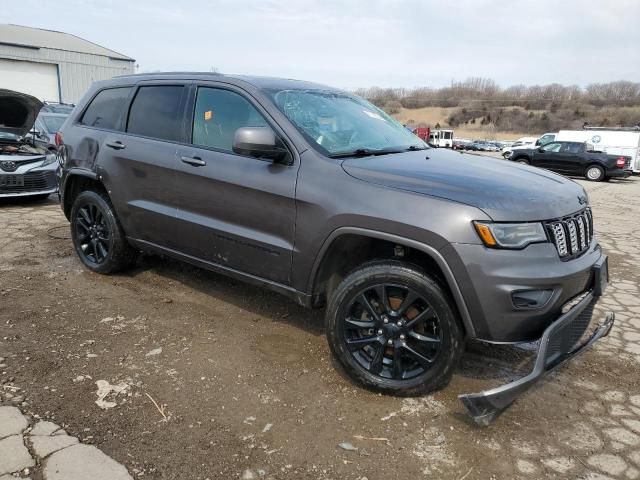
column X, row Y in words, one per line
column 11, row 181
column 600, row 276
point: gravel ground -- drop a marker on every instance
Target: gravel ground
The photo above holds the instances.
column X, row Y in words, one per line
column 178, row 373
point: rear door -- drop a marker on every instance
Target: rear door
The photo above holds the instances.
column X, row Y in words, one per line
column 139, row 163
column 235, row 211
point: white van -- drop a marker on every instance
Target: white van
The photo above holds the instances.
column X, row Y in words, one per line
column 614, row 141
column 441, row 138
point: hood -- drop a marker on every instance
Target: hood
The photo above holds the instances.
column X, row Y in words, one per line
column 18, row 112
column 504, row 190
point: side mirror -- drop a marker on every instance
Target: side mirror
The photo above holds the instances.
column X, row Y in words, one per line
column 540, row 149
column 260, row 142
column 36, row 133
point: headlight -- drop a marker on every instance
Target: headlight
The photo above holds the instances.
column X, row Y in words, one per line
column 48, row 160
column 510, row 235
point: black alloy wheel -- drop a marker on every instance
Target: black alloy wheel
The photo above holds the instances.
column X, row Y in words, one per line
column 392, row 331
column 92, row 233
column 97, row 235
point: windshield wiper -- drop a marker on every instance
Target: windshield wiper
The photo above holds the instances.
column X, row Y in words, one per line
column 414, row 148
column 366, row 152
column 359, row 152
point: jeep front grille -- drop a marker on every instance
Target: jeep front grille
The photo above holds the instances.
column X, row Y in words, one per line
column 572, row 235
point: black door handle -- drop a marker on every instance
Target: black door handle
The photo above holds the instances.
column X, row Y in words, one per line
column 117, row 145
column 195, row 161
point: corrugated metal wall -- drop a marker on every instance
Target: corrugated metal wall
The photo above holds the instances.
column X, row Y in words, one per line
column 77, row 71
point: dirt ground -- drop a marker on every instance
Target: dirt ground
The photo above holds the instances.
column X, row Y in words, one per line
column 244, row 386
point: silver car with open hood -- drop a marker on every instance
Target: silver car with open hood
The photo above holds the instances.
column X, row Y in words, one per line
column 25, row 168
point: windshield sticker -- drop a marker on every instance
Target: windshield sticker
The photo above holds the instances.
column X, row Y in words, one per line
column 208, row 115
column 372, row 114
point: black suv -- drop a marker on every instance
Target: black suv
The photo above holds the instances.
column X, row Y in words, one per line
column 575, row 158
column 319, row 195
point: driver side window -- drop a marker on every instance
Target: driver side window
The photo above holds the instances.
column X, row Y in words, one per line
column 217, row 116
column 552, row 147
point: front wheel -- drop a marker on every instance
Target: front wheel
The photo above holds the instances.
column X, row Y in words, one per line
column 97, row 235
column 393, row 329
column 595, row 173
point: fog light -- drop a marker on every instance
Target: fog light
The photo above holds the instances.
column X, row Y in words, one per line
column 529, row 299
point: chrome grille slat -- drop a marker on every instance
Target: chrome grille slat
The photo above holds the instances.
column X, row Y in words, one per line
column 572, row 235
column 582, row 233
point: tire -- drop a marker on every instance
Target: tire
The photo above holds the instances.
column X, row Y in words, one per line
column 429, row 327
column 594, row 173
column 523, row 161
column 97, row 235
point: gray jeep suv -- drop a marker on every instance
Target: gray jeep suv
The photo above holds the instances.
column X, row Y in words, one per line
column 319, row 195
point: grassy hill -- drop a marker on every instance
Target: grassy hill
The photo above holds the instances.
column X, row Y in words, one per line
column 433, row 115
column 510, row 123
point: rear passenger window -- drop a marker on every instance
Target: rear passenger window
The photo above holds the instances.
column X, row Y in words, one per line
column 106, row 108
column 156, row 111
column 218, row 114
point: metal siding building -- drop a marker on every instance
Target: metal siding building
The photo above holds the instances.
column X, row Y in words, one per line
column 55, row 66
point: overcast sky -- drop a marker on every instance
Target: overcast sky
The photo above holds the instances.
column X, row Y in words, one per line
column 359, row 43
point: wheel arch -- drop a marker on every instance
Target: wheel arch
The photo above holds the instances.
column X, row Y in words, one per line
column 77, row 180
column 330, row 265
column 520, row 156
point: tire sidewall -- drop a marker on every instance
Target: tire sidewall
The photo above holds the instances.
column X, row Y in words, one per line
column 401, row 275
column 93, row 198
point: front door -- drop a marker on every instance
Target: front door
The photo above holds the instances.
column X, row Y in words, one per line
column 235, row 211
column 547, row 157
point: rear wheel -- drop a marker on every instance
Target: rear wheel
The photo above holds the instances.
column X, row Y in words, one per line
column 97, row 235
column 595, row 173
column 393, row 329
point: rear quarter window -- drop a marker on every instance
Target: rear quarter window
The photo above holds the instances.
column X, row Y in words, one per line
column 106, row 108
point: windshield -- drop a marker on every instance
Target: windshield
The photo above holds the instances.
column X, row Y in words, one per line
column 52, row 124
column 339, row 123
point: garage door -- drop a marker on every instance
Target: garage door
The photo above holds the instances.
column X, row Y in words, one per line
column 37, row 79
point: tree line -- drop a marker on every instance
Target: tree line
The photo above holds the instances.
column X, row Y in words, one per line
column 541, row 107
column 484, row 91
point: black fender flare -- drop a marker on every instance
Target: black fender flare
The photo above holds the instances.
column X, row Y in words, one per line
column 70, row 173
column 423, row 247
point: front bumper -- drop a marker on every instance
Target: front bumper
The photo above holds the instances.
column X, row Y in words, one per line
column 489, row 278
column 559, row 343
column 39, row 180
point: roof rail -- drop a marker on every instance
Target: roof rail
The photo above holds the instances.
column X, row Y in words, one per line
column 635, row 128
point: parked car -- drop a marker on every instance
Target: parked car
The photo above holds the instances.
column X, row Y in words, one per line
column 528, row 142
column 26, row 169
column 460, row 144
column 491, row 147
column 46, row 127
column 53, row 107
column 576, row 158
column 479, row 146
column 297, row 187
